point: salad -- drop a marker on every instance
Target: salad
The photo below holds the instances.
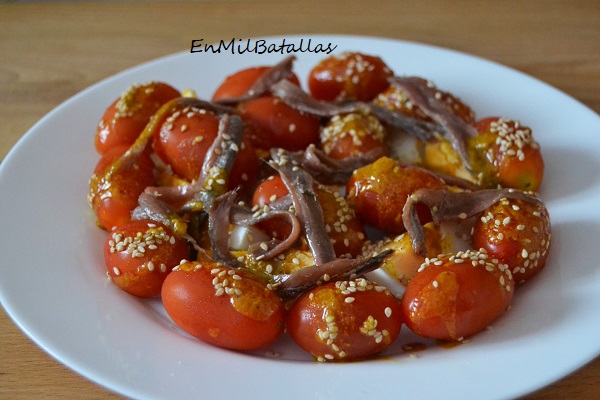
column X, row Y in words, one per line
column 262, row 211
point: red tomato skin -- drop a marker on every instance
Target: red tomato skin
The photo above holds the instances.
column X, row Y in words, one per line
column 250, row 320
column 511, row 152
column 521, row 239
column 379, row 191
column 137, row 273
column 352, row 135
column 114, row 199
column 127, row 116
column 273, row 123
column 269, row 190
column 239, row 83
column 265, row 193
column 244, row 172
column 349, row 76
column 185, row 138
column 454, row 300
column 334, row 324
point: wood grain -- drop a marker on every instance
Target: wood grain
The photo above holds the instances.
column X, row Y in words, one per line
column 50, row 51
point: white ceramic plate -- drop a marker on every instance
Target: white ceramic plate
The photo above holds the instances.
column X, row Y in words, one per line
column 52, row 280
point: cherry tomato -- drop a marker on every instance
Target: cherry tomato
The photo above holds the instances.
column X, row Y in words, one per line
column 222, row 306
column 140, row 254
column 265, row 193
column 513, row 157
column 240, row 82
column 127, row 116
column 269, row 190
column 517, row 233
column 352, row 135
column 456, row 296
column 379, row 191
column 185, row 138
column 273, row 123
column 113, row 196
column 345, row 320
column 349, row 76
column 396, row 99
column 440, row 156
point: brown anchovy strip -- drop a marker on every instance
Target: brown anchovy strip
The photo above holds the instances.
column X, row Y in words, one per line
column 263, row 84
column 308, row 209
column 456, row 131
column 244, row 217
column 224, row 149
column 420, row 130
column 446, row 205
column 296, row 98
column 305, row 279
column 219, row 211
column 154, row 202
column 330, row 171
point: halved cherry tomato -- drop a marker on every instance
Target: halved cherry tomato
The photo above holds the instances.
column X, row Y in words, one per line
column 240, row 82
column 517, row 233
column 514, row 157
column 345, row 320
column 349, row 76
column 140, row 254
column 127, row 116
column 379, row 191
column 222, row 306
column 185, row 138
column 273, row 123
column 455, row 296
column 114, row 197
column 352, row 135
column 404, row 262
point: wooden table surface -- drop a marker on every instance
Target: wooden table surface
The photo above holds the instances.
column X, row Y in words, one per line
column 50, row 51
